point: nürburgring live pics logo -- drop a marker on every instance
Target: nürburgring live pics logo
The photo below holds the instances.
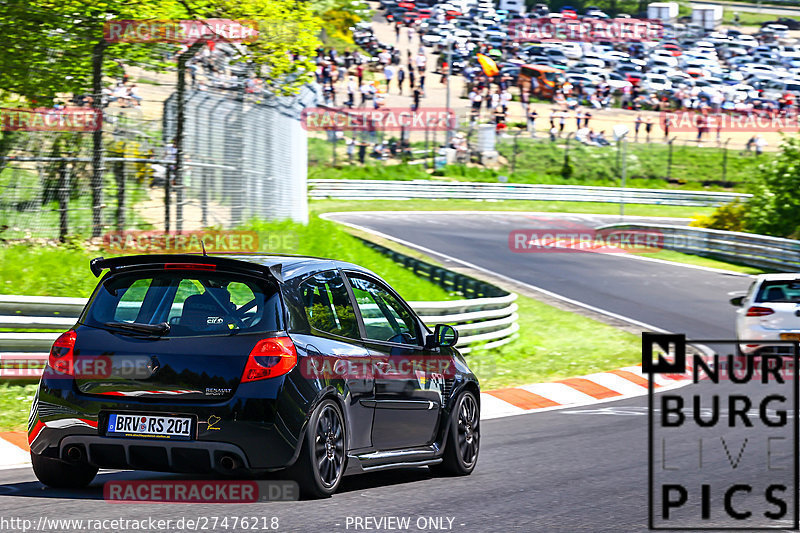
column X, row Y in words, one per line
column 722, row 452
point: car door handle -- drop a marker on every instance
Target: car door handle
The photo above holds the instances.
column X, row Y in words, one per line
column 383, row 365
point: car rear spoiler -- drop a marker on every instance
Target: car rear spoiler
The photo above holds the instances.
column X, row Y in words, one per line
column 98, row 264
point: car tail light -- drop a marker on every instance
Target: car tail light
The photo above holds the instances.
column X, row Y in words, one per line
column 62, row 358
column 189, row 266
column 269, row 358
column 759, row 311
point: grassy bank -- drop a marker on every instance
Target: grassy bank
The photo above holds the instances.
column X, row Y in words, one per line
column 55, row 271
column 15, row 403
column 597, row 208
column 554, row 344
column 537, row 161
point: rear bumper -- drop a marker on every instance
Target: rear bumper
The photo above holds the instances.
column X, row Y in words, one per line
column 259, row 433
column 764, row 335
column 140, row 454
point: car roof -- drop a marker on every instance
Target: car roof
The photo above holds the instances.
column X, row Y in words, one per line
column 783, row 276
column 281, row 266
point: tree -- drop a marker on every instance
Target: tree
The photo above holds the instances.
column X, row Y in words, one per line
column 774, row 208
column 48, row 45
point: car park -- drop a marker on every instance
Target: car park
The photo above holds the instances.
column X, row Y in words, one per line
column 244, row 365
column 726, row 64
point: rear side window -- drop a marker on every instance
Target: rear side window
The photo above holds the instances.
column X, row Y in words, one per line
column 327, row 305
column 192, row 303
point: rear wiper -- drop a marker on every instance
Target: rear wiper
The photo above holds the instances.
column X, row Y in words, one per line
column 149, row 329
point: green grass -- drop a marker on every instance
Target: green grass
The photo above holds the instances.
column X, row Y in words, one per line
column 539, row 161
column 554, row 344
column 15, row 403
column 326, row 239
column 745, row 18
column 326, row 206
column 31, row 210
column 45, row 271
column 678, row 257
column 58, row 271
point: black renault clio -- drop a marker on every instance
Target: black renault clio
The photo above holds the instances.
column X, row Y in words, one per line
column 240, row 366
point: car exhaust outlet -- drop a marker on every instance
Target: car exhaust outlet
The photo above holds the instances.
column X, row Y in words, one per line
column 74, row 453
column 229, row 463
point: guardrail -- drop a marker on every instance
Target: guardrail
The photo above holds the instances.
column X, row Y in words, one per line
column 403, row 190
column 760, row 251
column 489, row 318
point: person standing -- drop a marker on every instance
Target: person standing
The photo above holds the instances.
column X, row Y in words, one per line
column 388, row 74
column 397, row 32
column 421, row 62
column 505, row 99
column 362, row 151
column 360, row 73
column 648, row 127
column 411, row 77
column 667, row 124
column 636, row 125
column 759, row 143
column 401, row 76
column 532, row 116
column 416, row 98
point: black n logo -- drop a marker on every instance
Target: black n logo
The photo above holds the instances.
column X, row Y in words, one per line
column 670, row 351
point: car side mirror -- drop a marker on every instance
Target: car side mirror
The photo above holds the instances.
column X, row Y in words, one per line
column 738, row 301
column 444, row 336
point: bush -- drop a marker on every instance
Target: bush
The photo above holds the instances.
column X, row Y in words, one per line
column 728, row 217
column 774, row 208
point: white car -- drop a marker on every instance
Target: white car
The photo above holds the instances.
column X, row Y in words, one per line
column 769, row 311
column 748, row 41
column 572, row 50
column 655, row 82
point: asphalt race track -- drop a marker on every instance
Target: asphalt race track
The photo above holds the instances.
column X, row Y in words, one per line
column 582, row 469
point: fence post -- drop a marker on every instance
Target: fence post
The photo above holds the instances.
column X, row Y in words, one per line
column 514, row 154
column 97, row 138
column 565, row 169
column 669, row 159
column 204, row 172
column 119, row 174
column 63, row 201
column 181, row 104
column 333, row 143
column 725, row 162
column 433, row 146
column 167, row 194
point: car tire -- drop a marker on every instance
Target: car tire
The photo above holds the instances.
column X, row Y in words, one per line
column 323, row 458
column 463, row 438
column 61, row 474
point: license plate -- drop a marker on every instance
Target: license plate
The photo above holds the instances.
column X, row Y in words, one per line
column 148, row 426
column 790, row 336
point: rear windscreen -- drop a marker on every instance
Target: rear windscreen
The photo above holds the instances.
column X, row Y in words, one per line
column 191, row 302
column 779, row 291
